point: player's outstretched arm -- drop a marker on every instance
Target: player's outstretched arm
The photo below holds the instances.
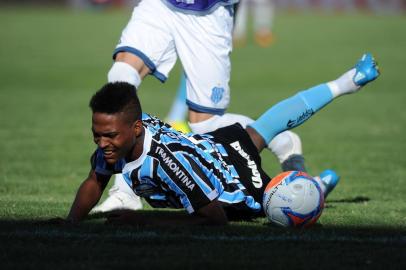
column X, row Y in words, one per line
column 211, row 214
column 295, row 110
column 88, row 195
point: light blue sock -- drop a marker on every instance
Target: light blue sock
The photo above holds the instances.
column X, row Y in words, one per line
column 292, row 111
column 179, row 108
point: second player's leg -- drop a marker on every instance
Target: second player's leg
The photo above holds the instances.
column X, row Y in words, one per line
column 295, row 110
column 207, row 79
column 204, row 52
column 146, row 45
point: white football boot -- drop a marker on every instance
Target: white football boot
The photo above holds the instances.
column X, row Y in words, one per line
column 121, row 197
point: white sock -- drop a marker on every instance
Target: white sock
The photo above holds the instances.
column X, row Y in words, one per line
column 217, row 121
column 285, row 144
column 123, row 72
column 344, row 84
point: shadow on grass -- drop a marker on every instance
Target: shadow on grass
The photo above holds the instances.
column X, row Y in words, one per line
column 358, row 199
column 245, row 229
column 243, row 245
column 353, row 200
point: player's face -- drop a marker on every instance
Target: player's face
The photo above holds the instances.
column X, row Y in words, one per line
column 115, row 136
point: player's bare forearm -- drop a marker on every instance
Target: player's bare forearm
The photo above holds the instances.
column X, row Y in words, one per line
column 88, row 195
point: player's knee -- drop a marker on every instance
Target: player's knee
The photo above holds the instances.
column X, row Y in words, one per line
column 123, row 72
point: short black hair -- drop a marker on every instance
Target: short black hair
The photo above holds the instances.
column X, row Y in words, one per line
column 117, row 97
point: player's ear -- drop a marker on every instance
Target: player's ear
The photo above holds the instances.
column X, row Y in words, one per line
column 137, row 126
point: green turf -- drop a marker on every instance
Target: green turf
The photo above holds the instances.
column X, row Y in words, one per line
column 53, row 60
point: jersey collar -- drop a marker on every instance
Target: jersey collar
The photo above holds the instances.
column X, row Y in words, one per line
column 146, row 147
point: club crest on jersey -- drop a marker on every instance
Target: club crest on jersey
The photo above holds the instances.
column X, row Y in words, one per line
column 217, row 94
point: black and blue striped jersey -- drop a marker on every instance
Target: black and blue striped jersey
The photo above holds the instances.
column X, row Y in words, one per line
column 188, row 171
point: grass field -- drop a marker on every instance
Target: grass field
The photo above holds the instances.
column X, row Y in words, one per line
column 53, row 60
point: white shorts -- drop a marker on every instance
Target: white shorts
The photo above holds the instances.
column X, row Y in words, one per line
column 158, row 34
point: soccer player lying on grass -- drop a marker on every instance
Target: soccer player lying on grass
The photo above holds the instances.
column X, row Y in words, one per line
column 213, row 176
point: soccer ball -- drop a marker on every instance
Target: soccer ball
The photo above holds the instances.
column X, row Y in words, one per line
column 293, row 199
